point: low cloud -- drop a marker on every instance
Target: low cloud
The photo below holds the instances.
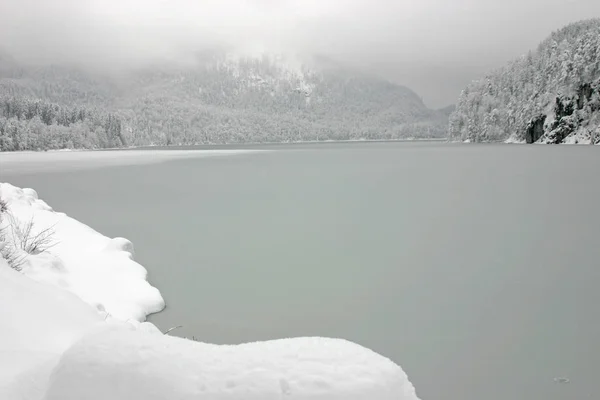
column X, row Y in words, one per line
column 433, row 46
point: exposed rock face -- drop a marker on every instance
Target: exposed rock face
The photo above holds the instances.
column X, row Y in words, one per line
column 576, row 118
column 584, row 95
column 535, row 129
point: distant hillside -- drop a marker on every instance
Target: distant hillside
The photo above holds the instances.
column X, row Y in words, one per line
column 28, row 124
column 448, row 110
column 551, row 95
column 229, row 100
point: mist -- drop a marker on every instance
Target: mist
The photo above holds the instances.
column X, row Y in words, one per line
column 435, row 47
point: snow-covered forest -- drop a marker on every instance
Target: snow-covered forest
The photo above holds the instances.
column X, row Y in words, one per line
column 219, row 100
column 27, row 124
column 551, row 95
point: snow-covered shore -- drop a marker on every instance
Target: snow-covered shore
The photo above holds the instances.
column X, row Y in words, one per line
column 99, row 270
column 71, row 328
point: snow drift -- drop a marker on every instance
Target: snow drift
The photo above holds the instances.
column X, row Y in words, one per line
column 99, row 270
column 37, row 323
column 115, row 363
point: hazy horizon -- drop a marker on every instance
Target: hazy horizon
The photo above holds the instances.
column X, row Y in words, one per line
column 431, row 46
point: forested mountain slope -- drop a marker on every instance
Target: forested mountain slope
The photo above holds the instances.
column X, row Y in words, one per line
column 551, row 95
column 220, row 100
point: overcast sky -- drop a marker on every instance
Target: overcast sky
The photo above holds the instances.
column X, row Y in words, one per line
column 433, row 46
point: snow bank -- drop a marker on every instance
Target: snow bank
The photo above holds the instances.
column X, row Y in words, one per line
column 54, row 346
column 37, row 324
column 119, row 364
column 99, row 270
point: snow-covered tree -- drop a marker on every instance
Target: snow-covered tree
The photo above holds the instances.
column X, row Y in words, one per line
column 32, row 124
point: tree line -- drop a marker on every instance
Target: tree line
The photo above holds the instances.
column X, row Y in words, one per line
column 34, row 124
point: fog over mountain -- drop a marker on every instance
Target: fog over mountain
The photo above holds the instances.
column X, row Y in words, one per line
column 220, row 98
column 435, row 47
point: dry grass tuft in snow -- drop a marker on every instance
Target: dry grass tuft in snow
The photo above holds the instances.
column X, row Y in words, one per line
column 54, row 346
column 20, row 239
column 99, row 270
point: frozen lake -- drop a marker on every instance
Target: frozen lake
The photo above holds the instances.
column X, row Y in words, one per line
column 474, row 267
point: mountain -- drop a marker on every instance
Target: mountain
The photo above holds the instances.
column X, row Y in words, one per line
column 223, row 99
column 551, row 95
column 448, row 110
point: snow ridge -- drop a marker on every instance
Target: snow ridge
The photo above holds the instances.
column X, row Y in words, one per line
column 108, row 363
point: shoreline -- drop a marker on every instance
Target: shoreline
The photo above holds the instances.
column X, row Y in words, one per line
column 47, row 161
column 224, row 146
column 89, row 297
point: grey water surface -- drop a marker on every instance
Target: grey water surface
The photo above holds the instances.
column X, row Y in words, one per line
column 474, row 267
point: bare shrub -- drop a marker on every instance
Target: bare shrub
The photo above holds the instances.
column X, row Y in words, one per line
column 18, row 239
column 8, row 252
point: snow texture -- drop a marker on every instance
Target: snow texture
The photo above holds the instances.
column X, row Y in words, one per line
column 99, row 270
column 113, row 363
column 37, row 323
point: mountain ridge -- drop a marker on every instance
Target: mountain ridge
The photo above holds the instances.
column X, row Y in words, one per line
column 225, row 99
